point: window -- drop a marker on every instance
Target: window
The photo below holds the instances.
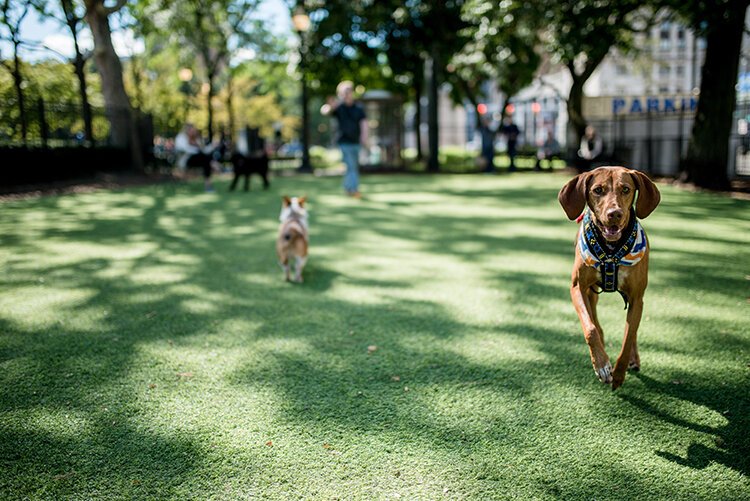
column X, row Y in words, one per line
column 621, row 69
column 681, row 38
column 664, row 36
column 679, row 70
column 664, row 70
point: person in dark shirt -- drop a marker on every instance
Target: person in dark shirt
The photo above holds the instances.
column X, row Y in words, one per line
column 511, row 132
column 487, row 134
column 352, row 132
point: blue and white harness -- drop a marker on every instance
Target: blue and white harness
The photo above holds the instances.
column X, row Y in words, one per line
column 599, row 254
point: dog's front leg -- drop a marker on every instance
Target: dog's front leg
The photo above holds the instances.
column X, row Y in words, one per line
column 635, row 310
column 594, row 338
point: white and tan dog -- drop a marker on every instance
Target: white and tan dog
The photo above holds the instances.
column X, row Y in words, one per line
column 292, row 242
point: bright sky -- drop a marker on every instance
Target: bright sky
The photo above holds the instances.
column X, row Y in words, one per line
column 52, row 34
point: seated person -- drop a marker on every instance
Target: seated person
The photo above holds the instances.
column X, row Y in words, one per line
column 547, row 151
column 192, row 153
column 590, row 149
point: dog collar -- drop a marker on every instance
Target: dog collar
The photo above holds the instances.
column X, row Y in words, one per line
column 597, row 252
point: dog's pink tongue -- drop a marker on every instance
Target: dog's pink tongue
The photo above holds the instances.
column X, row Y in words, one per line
column 611, row 231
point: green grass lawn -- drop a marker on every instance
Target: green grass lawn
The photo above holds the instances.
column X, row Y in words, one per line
column 149, row 348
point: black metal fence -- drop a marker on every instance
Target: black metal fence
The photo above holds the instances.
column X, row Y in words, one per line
column 650, row 142
column 657, row 144
column 48, row 142
column 52, row 124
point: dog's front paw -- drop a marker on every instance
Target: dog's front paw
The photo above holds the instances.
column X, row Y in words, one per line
column 617, row 381
column 604, row 373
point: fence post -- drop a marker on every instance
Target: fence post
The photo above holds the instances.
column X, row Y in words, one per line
column 649, row 144
column 43, row 127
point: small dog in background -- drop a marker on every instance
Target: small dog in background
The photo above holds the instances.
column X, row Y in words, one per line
column 291, row 244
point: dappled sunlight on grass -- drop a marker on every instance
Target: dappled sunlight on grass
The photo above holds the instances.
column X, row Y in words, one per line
column 29, row 309
column 150, row 348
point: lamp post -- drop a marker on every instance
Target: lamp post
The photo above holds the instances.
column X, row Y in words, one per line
column 301, row 22
column 186, row 75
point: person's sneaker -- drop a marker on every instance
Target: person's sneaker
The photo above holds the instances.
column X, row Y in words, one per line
column 356, row 194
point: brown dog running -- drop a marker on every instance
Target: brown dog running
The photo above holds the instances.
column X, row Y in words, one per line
column 611, row 255
column 292, row 241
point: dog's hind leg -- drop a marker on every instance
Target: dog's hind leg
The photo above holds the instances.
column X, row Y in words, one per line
column 284, row 262
column 635, row 311
column 299, row 266
column 635, row 359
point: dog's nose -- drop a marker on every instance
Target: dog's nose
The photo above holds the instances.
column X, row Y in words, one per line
column 614, row 215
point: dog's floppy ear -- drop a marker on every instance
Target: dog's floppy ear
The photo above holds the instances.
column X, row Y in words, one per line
column 648, row 194
column 287, row 201
column 572, row 196
column 301, row 200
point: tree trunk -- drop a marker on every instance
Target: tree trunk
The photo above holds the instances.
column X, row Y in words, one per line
column 708, row 149
column 123, row 131
column 418, row 83
column 135, row 73
column 576, row 121
column 209, row 106
column 471, row 95
column 433, row 163
column 18, row 84
column 229, row 104
column 79, row 66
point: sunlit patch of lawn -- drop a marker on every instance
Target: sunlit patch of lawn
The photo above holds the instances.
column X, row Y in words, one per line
column 149, row 347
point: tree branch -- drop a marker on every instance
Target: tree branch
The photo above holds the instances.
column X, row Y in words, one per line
column 116, row 7
column 544, row 83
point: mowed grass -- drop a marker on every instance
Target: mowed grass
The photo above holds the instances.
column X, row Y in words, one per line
column 149, row 348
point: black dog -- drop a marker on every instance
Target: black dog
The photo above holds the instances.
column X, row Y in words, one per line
column 250, row 157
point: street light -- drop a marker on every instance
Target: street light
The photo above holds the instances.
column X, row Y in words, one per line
column 301, row 22
column 186, row 76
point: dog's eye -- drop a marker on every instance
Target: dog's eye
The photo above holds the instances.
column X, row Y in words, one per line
column 598, row 190
column 626, row 189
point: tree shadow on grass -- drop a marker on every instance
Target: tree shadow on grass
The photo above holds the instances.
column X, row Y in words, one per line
column 731, row 444
column 220, row 253
column 343, row 385
column 69, row 372
column 113, row 457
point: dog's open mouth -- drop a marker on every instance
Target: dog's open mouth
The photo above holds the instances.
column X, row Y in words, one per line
column 611, row 233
